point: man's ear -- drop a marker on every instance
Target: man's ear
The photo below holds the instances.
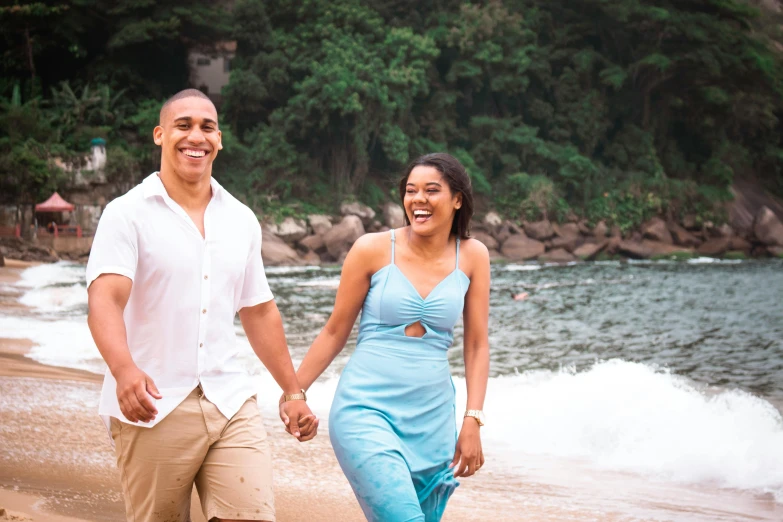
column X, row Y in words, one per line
column 157, row 135
column 220, row 140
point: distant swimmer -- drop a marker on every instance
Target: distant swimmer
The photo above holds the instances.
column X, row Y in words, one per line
column 520, row 296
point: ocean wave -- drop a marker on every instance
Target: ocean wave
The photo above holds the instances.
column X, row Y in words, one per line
column 626, row 416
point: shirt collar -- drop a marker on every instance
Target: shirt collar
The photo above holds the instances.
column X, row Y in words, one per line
column 153, row 186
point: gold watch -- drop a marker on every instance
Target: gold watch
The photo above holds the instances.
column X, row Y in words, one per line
column 476, row 414
column 295, row 397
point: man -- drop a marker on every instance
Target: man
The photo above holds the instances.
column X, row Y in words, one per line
column 172, row 262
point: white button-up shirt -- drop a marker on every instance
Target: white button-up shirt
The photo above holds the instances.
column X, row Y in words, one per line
column 186, row 292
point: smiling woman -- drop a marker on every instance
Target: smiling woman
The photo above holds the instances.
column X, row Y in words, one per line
column 392, row 423
column 423, row 184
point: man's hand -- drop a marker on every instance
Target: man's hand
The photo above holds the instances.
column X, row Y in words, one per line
column 135, row 393
column 299, row 420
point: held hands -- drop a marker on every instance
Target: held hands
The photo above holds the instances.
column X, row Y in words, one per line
column 468, row 456
column 135, row 393
column 298, row 419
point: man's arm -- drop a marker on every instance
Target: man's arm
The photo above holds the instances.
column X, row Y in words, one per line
column 264, row 329
column 107, row 297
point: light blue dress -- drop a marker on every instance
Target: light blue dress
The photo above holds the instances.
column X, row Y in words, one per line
column 392, row 422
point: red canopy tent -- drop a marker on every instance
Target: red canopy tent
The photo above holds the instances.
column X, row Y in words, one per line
column 54, row 204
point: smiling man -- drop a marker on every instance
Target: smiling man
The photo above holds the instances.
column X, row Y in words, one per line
column 172, row 263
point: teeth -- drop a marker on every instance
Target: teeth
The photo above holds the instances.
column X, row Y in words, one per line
column 422, row 213
column 195, row 153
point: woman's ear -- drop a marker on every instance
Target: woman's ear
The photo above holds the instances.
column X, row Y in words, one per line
column 458, row 203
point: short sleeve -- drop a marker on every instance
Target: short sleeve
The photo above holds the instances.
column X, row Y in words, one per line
column 114, row 247
column 255, row 287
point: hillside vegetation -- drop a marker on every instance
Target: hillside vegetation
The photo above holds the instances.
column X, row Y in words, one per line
column 608, row 110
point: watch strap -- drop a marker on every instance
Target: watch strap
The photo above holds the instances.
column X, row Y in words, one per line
column 476, row 414
column 295, row 397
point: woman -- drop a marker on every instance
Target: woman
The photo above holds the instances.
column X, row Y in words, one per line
column 392, row 423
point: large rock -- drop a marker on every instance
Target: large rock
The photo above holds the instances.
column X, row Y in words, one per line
column 363, row 212
column 492, row 220
column 506, row 230
column 519, row 247
column 23, row 250
column 588, row 251
column 657, row 230
column 776, row 251
column 319, row 223
column 343, row 235
column 715, row 246
column 489, row 241
column 647, row 248
column 724, row 230
column 393, row 215
column 738, row 243
column 289, row 230
column 567, row 243
column 558, row 255
column 2, row 260
column 600, row 230
column 539, row 230
column 682, row 236
column 615, row 231
column 768, row 228
column 567, row 230
column 275, row 251
column 314, row 243
column 689, row 222
column 311, row 258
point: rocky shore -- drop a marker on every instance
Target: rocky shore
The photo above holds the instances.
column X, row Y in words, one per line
column 327, row 239
column 323, row 239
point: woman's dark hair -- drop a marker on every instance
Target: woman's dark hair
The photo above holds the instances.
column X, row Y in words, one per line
column 459, row 182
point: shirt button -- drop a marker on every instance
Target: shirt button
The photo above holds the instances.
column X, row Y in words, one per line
column 206, row 277
column 204, row 311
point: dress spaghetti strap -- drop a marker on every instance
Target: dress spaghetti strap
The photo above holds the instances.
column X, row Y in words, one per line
column 456, row 267
column 392, row 242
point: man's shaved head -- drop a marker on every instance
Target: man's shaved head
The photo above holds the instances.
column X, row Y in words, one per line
column 187, row 93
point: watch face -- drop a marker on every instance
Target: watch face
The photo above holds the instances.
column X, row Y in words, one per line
column 482, row 418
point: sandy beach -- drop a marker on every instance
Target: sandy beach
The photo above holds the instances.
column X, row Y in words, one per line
column 56, row 463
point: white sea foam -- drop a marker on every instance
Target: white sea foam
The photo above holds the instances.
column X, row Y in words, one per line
column 713, row 260
column 324, row 283
column 632, row 417
column 291, row 269
column 521, row 268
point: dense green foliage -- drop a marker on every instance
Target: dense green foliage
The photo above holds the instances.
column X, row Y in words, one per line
column 614, row 110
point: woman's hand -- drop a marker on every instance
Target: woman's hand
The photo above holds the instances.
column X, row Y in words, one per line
column 468, row 456
column 307, row 425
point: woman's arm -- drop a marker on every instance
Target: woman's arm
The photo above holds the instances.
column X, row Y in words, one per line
column 469, row 456
column 354, row 284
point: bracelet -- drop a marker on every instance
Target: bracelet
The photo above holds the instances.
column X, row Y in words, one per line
column 294, row 397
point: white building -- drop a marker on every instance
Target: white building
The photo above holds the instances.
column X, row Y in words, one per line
column 211, row 68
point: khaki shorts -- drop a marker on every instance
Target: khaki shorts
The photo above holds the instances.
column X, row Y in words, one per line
column 228, row 460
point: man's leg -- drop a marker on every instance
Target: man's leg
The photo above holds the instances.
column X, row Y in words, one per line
column 158, row 465
column 235, row 480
